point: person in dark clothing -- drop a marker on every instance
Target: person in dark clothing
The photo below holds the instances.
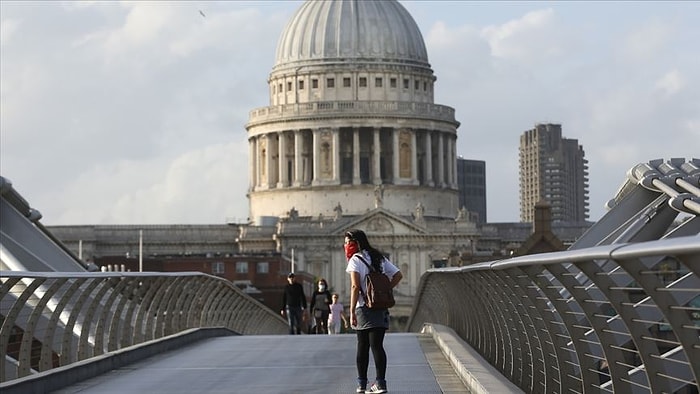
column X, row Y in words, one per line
column 293, row 304
column 320, row 306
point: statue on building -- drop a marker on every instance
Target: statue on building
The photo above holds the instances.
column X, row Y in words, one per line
column 419, row 211
column 378, row 195
column 338, row 211
column 293, row 214
column 462, row 214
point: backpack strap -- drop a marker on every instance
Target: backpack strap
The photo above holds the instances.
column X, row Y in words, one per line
column 359, row 256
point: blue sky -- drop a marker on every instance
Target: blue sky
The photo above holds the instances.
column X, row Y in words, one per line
column 134, row 112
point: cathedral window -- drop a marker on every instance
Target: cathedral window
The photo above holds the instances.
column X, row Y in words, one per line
column 363, row 82
column 301, row 85
column 346, row 82
column 314, row 83
column 330, row 82
column 416, row 85
column 392, row 82
column 405, row 83
column 279, row 88
column 377, row 82
column 289, row 86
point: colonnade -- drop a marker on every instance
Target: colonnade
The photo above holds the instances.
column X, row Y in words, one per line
column 352, row 155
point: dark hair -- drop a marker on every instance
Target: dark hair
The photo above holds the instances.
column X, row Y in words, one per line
column 360, row 237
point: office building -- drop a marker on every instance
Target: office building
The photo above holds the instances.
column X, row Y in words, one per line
column 554, row 169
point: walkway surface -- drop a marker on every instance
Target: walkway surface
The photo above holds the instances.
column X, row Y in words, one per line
column 279, row 364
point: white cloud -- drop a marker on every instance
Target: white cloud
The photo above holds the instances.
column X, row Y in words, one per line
column 670, row 83
column 526, row 39
column 135, row 112
column 8, row 27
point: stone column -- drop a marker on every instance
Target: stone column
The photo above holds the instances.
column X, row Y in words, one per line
column 282, row 179
column 428, row 159
column 440, row 182
column 335, row 132
column 450, row 160
column 252, row 165
column 376, row 151
column 297, row 158
column 396, row 155
column 268, row 162
column 315, row 156
column 414, row 158
column 453, row 180
column 356, row 180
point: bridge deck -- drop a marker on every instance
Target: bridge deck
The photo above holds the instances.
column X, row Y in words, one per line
column 279, row 364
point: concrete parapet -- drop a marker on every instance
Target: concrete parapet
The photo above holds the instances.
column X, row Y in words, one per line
column 476, row 373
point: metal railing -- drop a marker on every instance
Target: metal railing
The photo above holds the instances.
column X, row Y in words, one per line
column 618, row 312
column 622, row 318
column 53, row 319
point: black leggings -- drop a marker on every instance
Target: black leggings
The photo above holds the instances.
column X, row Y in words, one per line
column 371, row 338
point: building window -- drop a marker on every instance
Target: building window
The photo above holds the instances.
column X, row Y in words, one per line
column 242, row 267
column 314, row 83
column 289, row 86
column 218, row 268
column 377, row 82
column 425, row 86
column 330, row 82
column 392, row 82
column 301, row 85
column 346, row 82
column 363, row 82
column 279, row 89
column 416, row 85
column 263, row 267
column 405, row 83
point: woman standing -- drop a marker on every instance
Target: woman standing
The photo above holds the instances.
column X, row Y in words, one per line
column 320, row 306
column 370, row 324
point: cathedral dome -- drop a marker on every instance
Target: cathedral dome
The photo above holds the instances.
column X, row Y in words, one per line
column 360, row 31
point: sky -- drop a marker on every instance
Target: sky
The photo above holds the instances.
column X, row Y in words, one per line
column 135, row 112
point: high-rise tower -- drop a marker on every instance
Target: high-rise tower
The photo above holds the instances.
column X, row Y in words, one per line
column 554, row 169
column 351, row 124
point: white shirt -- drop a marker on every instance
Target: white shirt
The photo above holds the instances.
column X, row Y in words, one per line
column 356, row 265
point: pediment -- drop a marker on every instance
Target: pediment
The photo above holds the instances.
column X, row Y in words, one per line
column 382, row 222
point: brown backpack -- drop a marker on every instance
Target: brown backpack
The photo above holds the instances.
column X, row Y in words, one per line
column 379, row 293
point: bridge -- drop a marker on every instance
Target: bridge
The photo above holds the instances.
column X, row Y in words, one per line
column 619, row 311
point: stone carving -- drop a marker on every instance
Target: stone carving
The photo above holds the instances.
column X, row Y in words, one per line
column 293, row 214
column 420, row 210
column 378, row 196
column 379, row 225
column 462, row 214
column 338, row 211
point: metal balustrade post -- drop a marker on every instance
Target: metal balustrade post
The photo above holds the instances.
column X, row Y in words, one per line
column 49, row 343
column 31, row 327
column 147, row 310
column 94, row 305
column 11, row 319
column 119, row 320
column 108, row 311
column 69, row 353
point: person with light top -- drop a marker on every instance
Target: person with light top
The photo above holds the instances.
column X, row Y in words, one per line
column 369, row 324
column 336, row 315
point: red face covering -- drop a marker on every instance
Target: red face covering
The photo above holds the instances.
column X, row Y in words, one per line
column 350, row 249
